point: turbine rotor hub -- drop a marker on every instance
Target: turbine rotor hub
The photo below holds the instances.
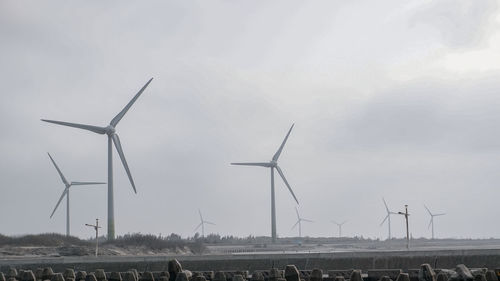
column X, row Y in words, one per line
column 273, row 163
column 110, row 130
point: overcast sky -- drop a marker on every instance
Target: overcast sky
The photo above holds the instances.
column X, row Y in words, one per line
column 394, row 99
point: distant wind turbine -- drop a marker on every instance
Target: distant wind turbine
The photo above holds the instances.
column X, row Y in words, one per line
column 340, row 227
column 273, row 164
column 388, row 218
column 299, row 222
column 202, row 224
column 66, row 193
column 431, row 222
column 112, row 138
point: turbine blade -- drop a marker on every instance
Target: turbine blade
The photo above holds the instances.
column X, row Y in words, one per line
column 286, row 182
column 295, row 225
column 207, row 222
column 95, row 129
column 199, row 212
column 386, row 217
column 120, row 115
column 385, row 203
column 428, row 210
column 278, row 153
column 430, row 223
column 297, row 212
column 307, row 220
column 198, row 226
column 118, row 146
column 59, row 202
column 58, row 170
column 335, row 222
column 261, row 164
column 442, row 214
column 86, row 183
column 343, row 223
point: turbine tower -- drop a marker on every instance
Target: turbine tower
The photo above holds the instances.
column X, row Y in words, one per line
column 388, row 218
column 340, row 227
column 431, row 223
column 110, row 131
column 66, row 192
column 299, row 222
column 273, row 164
column 202, row 224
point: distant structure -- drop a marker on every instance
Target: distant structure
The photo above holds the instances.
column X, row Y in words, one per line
column 388, row 218
column 96, row 228
column 66, row 193
column 202, row 224
column 406, row 214
column 112, row 138
column 273, row 164
column 431, row 222
column 299, row 222
column 340, row 227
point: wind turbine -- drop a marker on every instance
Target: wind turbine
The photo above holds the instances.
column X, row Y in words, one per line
column 432, row 219
column 110, row 130
column 340, row 227
column 388, row 218
column 202, row 224
column 66, row 192
column 299, row 222
column 273, row 164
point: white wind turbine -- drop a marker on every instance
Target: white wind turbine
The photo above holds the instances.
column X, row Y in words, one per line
column 388, row 217
column 273, row 164
column 110, row 131
column 202, row 224
column 67, row 185
column 431, row 222
column 299, row 222
column 340, row 227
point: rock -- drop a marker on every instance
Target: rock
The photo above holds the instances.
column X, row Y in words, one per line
column 274, row 274
column 39, row 273
column 219, row 276
column 11, row 273
column 316, row 275
column 90, row 277
column 69, row 273
column 238, row 277
column 403, row 277
column 129, row 276
column 491, row 276
column 28, row 275
column 57, row 277
column 426, row 273
column 442, row 276
column 147, row 276
column 385, row 278
column 257, row 276
column 292, row 273
column 80, row 275
column 174, row 268
column 47, row 273
column 11, row 279
column 462, row 273
column 339, row 278
column 100, row 275
column 2, row 277
column 115, row 276
column 479, row 277
column 356, row 276
column 181, row 276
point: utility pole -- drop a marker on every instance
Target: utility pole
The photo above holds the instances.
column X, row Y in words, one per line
column 407, row 228
column 96, row 227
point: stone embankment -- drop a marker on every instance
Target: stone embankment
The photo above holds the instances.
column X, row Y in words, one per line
column 175, row 272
